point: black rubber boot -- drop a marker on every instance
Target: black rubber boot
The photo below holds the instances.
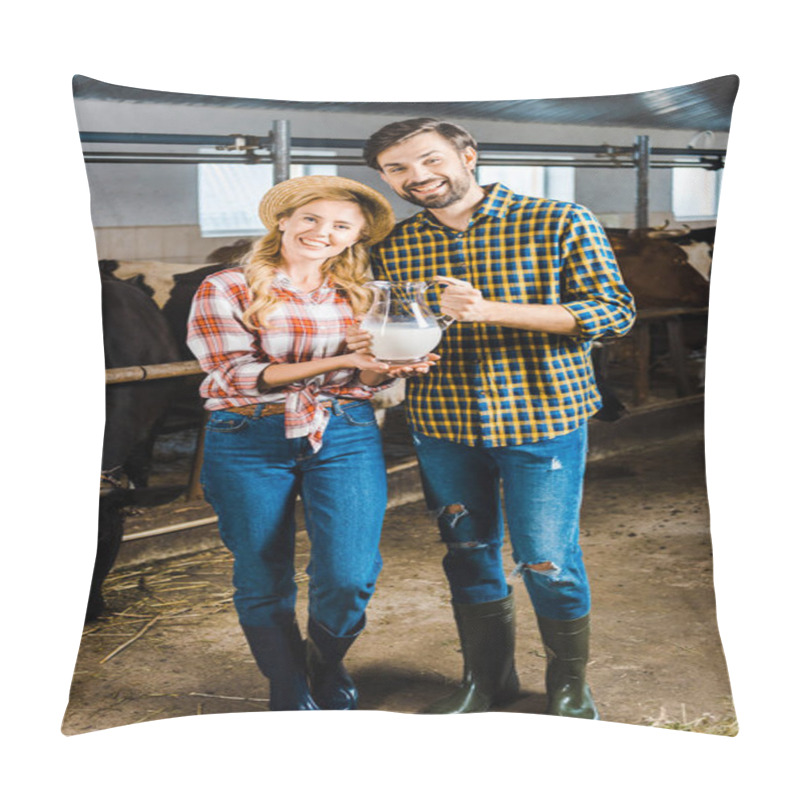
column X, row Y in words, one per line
column 331, row 685
column 486, row 631
column 280, row 655
column 567, row 645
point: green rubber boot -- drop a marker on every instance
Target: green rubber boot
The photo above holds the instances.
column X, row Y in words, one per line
column 567, row 645
column 486, row 631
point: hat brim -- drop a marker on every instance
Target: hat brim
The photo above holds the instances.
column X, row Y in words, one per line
column 285, row 195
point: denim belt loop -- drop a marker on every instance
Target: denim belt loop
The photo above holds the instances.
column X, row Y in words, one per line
column 336, row 408
column 259, row 410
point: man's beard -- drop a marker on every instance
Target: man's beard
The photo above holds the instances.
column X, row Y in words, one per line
column 456, row 190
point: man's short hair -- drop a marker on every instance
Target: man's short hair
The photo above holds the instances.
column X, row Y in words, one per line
column 396, row 132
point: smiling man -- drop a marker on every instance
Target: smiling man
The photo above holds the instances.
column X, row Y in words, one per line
column 531, row 283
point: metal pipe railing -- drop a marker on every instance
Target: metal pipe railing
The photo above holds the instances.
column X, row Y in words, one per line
column 152, row 372
column 265, row 143
column 277, row 146
column 211, row 158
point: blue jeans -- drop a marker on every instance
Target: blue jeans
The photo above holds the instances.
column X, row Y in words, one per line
column 252, row 475
column 542, row 491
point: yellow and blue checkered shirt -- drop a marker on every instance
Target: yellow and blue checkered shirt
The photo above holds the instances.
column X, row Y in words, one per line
column 497, row 385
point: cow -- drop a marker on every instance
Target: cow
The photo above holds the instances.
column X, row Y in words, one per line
column 696, row 243
column 231, row 253
column 160, row 277
column 172, row 285
column 157, row 277
column 134, row 333
column 668, row 268
column 178, row 305
column 665, row 268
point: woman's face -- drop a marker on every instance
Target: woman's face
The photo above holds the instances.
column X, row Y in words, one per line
column 320, row 230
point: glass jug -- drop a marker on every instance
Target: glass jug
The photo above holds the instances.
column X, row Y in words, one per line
column 403, row 327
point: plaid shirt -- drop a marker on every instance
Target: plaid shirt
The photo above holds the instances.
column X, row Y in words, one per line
column 498, row 385
column 304, row 327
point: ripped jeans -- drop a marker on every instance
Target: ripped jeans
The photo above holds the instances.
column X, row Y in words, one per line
column 542, row 488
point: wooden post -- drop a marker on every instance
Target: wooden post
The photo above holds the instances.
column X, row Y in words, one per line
column 677, row 355
column 641, row 346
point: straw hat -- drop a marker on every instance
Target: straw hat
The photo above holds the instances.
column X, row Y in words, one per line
column 285, row 194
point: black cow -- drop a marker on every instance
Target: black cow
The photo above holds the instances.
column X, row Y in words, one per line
column 134, row 332
column 172, row 287
column 176, row 309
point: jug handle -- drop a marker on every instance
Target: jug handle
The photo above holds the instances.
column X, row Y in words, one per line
column 444, row 320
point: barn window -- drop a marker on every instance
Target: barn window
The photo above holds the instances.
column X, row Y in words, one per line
column 228, row 194
column 695, row 193
column 557, row 183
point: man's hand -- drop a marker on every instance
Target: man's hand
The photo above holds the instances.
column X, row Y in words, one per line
column 463, row 302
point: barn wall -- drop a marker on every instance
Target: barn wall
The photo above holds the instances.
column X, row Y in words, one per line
column 150, row 211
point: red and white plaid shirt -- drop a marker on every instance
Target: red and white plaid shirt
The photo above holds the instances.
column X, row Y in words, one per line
column 304, row 327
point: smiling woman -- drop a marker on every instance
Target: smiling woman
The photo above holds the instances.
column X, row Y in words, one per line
column 271, row 338
column 316, row 232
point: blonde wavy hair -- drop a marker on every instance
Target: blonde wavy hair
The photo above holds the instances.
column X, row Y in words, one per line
column 348, row 271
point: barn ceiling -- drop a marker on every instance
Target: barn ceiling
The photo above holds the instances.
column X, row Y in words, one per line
column 705, row 105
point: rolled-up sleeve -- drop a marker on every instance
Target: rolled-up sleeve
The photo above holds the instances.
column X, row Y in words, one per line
column 227, row 351
column 592, row 287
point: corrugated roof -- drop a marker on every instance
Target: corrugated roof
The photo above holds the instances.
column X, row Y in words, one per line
column 705, row 105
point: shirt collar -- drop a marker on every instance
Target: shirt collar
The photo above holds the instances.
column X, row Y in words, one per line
column 282, row 281
column 496, row 203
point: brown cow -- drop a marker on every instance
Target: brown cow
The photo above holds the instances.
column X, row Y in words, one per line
column 668, row 268
column 657, row 269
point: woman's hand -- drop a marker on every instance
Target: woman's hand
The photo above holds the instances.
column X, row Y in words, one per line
column 366, row 361
column 375, row 377
column 370, row 363
column 357, row 339
column 417, row 368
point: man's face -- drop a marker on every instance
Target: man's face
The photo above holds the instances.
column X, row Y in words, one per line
column 428, row 171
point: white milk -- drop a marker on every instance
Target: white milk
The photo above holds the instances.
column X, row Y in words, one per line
column 401, row 342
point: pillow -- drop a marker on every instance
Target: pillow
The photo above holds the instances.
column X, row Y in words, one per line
column 175, row 199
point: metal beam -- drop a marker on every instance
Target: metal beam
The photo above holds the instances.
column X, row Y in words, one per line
column 642, row 159
column 266, row 143
column 117, row 157
column 281, row 150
